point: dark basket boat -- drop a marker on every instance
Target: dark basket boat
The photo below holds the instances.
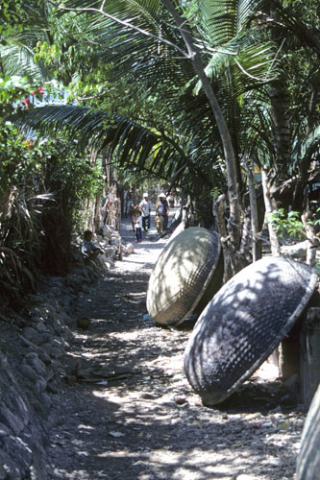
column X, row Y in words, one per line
column 244, row 323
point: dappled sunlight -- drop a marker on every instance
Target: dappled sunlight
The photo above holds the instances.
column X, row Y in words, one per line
column 181, row 275
column 244, row 323
column 154, row 436
column 133, row 408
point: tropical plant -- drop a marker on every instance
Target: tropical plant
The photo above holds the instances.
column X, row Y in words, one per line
column 42, row 188
column 197, row 120
column 145, row 49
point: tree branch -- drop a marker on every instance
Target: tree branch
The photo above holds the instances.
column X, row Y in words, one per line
column 121, row 22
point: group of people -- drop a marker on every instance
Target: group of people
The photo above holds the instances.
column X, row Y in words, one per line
column 141, row 215
column 141, row 220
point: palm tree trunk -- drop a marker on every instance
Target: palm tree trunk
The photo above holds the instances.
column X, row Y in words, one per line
column 280, row 112
column 220, row 209
column 274, row 241
column 310, row 233
column 256, row 240
column 229, row 153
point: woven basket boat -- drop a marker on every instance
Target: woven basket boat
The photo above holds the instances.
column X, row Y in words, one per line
column 244, row 323
column 184, row 272
column 308, row 465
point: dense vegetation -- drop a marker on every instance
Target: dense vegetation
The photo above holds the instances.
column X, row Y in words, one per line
column 202, row 94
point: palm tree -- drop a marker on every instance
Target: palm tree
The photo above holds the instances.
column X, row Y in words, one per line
column 147, row 50
column 291, row 125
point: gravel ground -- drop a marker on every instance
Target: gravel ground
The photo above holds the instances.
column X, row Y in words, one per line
column 126, row 410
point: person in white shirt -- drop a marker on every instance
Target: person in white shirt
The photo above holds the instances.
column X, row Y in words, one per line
column 138, row 226
column 145, row 206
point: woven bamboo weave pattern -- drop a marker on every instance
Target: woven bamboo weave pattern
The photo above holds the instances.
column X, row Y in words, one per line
column 244, row 323
column 181, row 275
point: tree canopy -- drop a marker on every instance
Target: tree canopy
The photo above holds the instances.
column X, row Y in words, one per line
column 199, row 93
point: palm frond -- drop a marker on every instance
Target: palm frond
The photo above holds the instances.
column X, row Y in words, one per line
column 121, row 8
column 223, row 21
column 252, row 66
column 131, row 143
column 307, row 32
column 307, row 148
column 18, row 60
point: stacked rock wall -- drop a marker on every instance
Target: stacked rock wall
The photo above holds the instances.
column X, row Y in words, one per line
column 32, row 347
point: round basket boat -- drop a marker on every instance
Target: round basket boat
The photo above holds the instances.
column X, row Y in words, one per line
column 189, row 266
column 308, row 465
column 244, row 323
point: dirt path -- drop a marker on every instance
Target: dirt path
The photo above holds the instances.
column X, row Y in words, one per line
column 126, row 411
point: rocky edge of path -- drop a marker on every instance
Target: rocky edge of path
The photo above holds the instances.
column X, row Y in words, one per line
column 156, row 427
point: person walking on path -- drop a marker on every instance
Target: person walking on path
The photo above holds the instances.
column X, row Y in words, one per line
column 133, row 214
column 138, row 226
column 145, row 206
column 162, row 212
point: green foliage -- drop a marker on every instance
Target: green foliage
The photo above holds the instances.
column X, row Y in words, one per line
column 132, row 75
column 287, row 224
column 291, row 224
column 73, row 180
column 20, row 210
column 46, row 53
column 137, row 97
column 12, row 89
column 16, row 159
column 215, row 193
column 42, row 188
column 9, row 12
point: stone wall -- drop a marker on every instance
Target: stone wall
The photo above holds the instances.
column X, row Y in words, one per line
column 32, row 347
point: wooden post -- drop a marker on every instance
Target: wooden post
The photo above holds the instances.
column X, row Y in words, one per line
column 310, row 355
column 289, row 353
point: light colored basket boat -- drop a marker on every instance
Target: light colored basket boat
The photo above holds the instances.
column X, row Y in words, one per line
column 188, row 267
